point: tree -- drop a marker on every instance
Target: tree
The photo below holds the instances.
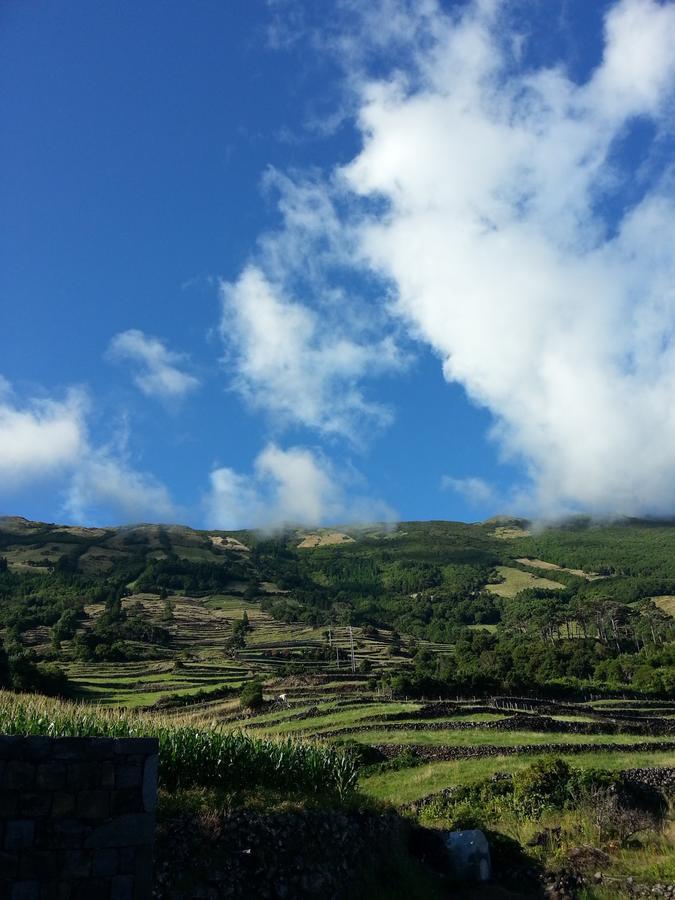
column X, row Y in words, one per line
column 251, row 696
column 168, row 611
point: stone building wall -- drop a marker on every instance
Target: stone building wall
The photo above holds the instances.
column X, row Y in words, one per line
column 77, row 818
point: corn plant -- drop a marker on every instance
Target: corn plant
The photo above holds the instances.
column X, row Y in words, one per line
column 191, row 756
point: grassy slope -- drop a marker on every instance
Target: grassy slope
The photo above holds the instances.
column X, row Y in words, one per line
column 410, row 784
column 515, row 581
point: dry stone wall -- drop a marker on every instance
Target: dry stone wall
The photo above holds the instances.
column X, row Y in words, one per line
column 77, row 818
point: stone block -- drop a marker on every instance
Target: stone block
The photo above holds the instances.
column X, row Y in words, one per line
column 63, row 804
column 9, row 865
column 9, row 803
column 469, row 855
column 138, row 746
column 127, row 830
column 45, row 865
column 37, row 747
column 127, row 860
column 76, row 864
column 25, row 890
column 34, row 804
column 55, row 890
column 19, row 834
column 150, row 784
column 93, row 804
column 50, row 776
column 127, row 800
column 90, row 889
column 10, row 746
column 70, row 748
column 128, row 776
column 122, row 888
column 101, row 748
column 143, row 873
column 135, row 759
column 107, row 774
column 19, row 775
column 106, row 862
column 67, row 833
column 83, row 776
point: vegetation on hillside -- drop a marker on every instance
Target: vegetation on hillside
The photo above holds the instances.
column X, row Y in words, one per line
column 434, row 582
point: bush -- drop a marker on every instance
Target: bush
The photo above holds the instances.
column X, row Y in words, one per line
column 251, row 696
column 546, row 783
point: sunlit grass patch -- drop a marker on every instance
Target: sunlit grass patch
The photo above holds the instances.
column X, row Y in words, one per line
column 406, row 785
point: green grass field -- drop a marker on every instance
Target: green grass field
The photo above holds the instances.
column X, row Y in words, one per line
column 410, row 784
column 666, row 603
column 515, row 581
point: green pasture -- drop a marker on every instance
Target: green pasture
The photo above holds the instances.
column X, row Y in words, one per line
column 666, row 603
column 407, row 785
column 332, row 718
column 476, row 737
column 515, row 581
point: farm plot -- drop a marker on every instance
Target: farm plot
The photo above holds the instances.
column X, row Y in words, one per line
column 516, row 580
column 409, row 784
column 666, row 603
column 200, row 658
column 425, row 747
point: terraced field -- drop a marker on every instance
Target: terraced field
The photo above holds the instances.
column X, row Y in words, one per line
column 418, row 748
column 303, row 662
column 414, row 747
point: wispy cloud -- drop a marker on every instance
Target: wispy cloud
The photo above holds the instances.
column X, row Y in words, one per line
column 105, row 485
column 158, row 369
column 476, row 490
column 294, row 486
column 287, row 360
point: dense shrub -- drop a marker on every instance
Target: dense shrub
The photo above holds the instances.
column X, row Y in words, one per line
column 251, row 696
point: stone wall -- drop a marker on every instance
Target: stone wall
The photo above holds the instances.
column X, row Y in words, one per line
column 436, row 753
column 77, row 818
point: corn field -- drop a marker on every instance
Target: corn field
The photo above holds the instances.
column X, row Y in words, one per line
column 190, row 756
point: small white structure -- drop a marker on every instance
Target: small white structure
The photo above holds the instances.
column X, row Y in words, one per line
column 469, row 854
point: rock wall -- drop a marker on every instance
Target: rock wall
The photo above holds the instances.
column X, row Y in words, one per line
column 435, row 753
column 249, row 855
column 77, row 818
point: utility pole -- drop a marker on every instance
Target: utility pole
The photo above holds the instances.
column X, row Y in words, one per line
column 351, row 646
column 330, row 637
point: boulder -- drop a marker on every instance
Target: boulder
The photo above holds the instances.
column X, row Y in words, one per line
column 469, row 855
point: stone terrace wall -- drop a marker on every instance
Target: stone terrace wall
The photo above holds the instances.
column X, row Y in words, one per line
column 77, row 818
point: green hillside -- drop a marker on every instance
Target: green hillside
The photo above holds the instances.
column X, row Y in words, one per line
column 135, row 614
column 436, row 665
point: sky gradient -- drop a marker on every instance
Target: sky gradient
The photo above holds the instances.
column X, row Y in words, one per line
column 260, row 265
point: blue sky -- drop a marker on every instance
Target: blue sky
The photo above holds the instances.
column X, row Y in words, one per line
column 263, row 264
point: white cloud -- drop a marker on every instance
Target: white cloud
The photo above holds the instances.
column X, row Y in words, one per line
column 104, row 485
column 158, row 372
column 39, row 438
column 45, row 441
column 297, row 486
column 297, row 363
column 477, row 491
column 495, row 179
